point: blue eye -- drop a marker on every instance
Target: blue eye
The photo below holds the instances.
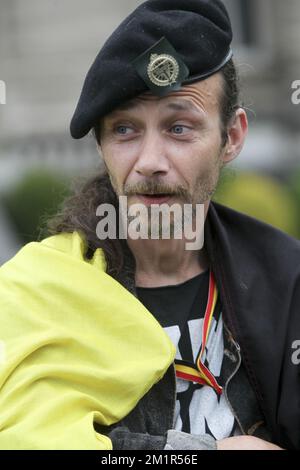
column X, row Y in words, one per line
column 122, row 130
column 178, row 130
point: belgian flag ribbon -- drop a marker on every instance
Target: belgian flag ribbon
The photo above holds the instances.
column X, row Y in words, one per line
column 200, row 373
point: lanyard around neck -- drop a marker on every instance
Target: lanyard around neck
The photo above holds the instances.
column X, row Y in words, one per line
column 200, row 373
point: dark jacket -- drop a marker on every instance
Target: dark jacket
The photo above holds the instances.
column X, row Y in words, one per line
column 257, row 270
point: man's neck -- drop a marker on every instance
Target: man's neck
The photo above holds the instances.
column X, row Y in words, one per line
column 166, row 262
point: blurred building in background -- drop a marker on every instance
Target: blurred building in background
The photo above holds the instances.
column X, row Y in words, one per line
column 46, row 49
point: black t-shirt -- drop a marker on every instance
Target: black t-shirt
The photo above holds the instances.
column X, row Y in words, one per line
column 180, row 310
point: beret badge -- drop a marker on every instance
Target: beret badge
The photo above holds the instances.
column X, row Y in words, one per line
column 163, row 69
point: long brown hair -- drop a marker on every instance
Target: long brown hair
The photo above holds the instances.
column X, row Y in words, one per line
column 79, row 214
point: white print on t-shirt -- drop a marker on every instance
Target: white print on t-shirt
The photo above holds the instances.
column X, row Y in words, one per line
column 207, row 409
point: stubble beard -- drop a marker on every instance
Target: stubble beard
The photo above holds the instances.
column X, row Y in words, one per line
column 204, row 189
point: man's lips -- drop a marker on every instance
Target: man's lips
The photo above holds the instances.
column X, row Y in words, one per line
column 149, row 199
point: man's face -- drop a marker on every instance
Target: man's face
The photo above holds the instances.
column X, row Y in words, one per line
column 166, row 146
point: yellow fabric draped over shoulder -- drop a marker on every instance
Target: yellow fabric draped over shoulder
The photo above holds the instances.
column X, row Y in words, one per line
column 75, row 348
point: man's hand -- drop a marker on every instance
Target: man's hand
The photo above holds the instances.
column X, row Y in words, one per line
column 245, row 443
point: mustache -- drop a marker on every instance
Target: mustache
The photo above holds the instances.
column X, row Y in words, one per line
column 155, row 187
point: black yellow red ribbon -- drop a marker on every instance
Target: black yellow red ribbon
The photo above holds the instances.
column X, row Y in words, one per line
column 200, row 373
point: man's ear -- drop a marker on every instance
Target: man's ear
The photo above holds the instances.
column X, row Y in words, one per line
column 237, row 133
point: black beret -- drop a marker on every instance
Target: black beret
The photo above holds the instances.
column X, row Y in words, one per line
column 162, row 45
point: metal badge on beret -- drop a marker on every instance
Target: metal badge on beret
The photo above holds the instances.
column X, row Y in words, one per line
column 161, row 68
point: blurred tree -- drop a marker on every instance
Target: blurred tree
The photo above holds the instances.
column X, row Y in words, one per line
column 33, row 200
column 262, row 197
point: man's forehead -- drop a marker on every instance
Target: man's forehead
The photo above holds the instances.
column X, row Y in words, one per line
column 190, row 98
column 172, row 103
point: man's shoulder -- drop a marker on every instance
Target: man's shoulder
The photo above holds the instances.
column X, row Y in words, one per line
column 256, row 238
column 236, row 221
column 56, row 248
column 69, row 243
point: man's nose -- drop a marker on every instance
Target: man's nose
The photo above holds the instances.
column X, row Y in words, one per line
column 152, row 158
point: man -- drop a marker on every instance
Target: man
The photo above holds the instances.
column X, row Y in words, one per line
column 138, row 342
